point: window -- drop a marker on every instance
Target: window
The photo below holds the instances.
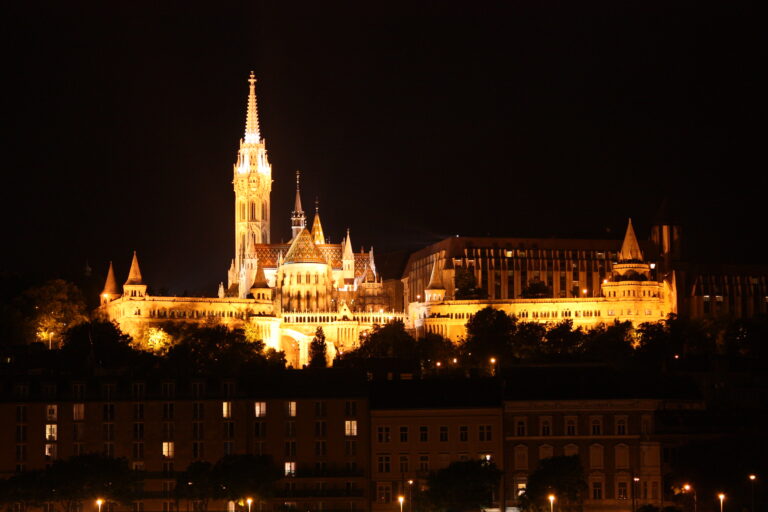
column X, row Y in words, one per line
column 350, row 448
column 138, row 411
column 51, row 412
column 596, row 456
column 443, row 433
column 260, row 409
column 290, row 448
column 546, row 427
column 168, row 431
column 382, row 434
column 521, row 457
column 50, row 451
column 321, row 448
column 546, row 451
column 226, row 409
column 229, row 430
column 108, row 412
column 570, row 427
column 350, row 408
column 320, row 409
column 21, row 433
column 622, row 491
column 21, row 452
column 138, row 451
column 197, row 431
column 621, row 426
column 321, row 429
column 621, row 453
column 51, row 432
column 78, row 412
column 21, row 413
column 108, row 430
column 383, row 492
column 383, row 464
column 404, row 464
column 138, row 431
column 520, row 427
column 423, row 434
column 290, row 428
column 350, row 428
column 198, row 411
column 290, row 409
column 198, row 451
column 168, row 389
column 597, row 490
column 596, row 426
column 168, row 411
column 423, row 462
column 403, row 434
column 290, row 469
column 485, row 433
column 168, row 449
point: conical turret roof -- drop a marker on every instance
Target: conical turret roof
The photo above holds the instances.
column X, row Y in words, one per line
column 110, row 286
column 348, row 253
column 436, row 279
column 134, row 275
column 304, row 250
column 317, row 229
column 630, row 249
column 252, row 134
column 260, row 280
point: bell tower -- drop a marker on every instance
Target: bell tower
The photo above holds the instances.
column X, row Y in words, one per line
column 252, row 184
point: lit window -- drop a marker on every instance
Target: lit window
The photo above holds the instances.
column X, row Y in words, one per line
column 290, row 469
column 290, row 409
column 260, row 409
column 51, row 412
column 226, row 409
column 350, row 428
column 168, row 449
column 51, row 431
column 50, row 451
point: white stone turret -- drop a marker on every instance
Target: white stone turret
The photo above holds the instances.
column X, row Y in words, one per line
column 134, row 286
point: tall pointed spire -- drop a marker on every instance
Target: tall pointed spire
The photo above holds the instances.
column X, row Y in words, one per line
column 134, row 275
column 317, row 227
column 348, row 252
column 298, row 219
column 252, row 134
column 110, row 286
column 630, row 249
column 436, row 278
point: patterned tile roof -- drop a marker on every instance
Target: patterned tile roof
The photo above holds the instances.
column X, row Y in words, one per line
column 304, row 250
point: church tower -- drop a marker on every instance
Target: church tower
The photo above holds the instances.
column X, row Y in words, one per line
column 253, row 184
column 298, row 219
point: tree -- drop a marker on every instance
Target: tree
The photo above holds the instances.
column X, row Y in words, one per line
column 489, row 333
column 196, row 484
column 562, row 339
column 434, row 348
column 611, row 343
column 317, row 350
column 561, row 476
column 386, row 341
column 536, row 290
column 50, row 309
column 98, row 343
column 463, row 485
column 466, row 285
column 238, row 476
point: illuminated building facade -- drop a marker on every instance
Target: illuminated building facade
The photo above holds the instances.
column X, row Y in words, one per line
column 586, row 281
column 284, row 291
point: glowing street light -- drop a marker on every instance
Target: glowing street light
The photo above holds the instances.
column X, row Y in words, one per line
column 410, row 495
column 401, row 499
column 635, row 481
column 249, row 501
column 752, row 479
column 99, row 503
column 493, row 366
column 689, row 488
column 551, row 499
column 721, row 497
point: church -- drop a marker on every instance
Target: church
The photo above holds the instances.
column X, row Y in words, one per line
column 283, row 292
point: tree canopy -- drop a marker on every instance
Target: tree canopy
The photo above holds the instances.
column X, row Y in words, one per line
column 462, row 486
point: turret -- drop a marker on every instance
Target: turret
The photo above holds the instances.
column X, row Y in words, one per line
column 134, row 286
column 298, row 219
column 317, row 228
column 348, row 262
column 435, row 291
column 110, row 291
column 260, row 289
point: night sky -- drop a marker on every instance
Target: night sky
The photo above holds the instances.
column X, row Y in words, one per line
column 410, row 124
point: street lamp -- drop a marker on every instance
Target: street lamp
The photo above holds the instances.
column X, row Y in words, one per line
column 752, row 479
column 721, row 497
column 401, row 499
column 689, row 488
column 249, row 501
column 493, row 366
column 635, row 481
column 99, row 502
column 410, row 495
column 551, row 499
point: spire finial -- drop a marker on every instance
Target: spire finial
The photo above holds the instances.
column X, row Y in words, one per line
column 317, row 205
column 252, row 134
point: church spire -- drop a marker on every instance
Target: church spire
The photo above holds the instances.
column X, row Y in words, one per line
column 134, row 275
column 630, row 249
column 252, row 134
column 110, row 286
column 298, row 219
column 317, row 228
